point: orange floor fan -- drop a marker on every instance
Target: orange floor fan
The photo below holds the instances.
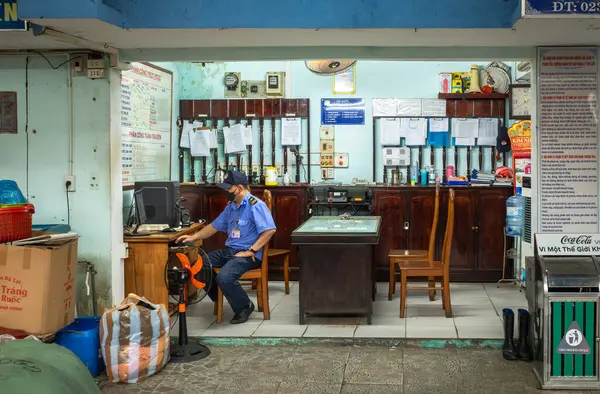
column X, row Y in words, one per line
column 178, row 280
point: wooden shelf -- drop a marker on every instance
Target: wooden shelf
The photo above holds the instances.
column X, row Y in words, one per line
column 471, row 96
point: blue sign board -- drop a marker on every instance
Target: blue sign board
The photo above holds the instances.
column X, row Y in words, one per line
column 8, row 16
column 562, row 7
column 343, row 111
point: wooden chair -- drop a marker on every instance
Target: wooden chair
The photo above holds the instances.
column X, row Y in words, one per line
column 260, row 275
column 279, row 253
column 397, row 256
column 431, row 268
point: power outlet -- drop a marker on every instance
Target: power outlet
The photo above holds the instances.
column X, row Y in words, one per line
column 70, row 180
column 94, row 183
column 95, row 63
column 95, row 73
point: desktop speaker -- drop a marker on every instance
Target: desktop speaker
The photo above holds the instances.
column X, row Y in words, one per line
column 185, row 217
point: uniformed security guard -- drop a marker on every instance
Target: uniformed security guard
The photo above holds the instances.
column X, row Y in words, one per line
column 249, row 226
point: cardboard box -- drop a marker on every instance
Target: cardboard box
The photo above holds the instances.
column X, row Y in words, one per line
column 37, row 287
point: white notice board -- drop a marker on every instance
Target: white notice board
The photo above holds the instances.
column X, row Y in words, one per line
column 567, row 140
column 146, row 123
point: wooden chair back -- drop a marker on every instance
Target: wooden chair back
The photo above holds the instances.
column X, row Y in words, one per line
column 268, row 199
column 449, row 233
column 433, row 232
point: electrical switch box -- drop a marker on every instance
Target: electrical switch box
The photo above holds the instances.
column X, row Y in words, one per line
column 340, row 160
column 327, row 173
column 327, row 132
column 327, row 160
column 326, row 146
column 275, row 84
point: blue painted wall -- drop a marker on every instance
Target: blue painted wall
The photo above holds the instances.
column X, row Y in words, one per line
column 307, row 14
column 39, row 161
column 375, row 79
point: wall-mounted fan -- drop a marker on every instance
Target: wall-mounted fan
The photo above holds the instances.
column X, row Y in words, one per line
column 328, row 67
column 523, row 67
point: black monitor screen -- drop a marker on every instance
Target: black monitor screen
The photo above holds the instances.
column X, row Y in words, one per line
column 140, row 208
column 160, row 201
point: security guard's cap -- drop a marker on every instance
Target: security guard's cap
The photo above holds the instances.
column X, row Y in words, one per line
column 234, row 178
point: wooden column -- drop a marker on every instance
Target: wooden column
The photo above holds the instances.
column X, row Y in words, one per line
column 215, row 123
column 262, row 151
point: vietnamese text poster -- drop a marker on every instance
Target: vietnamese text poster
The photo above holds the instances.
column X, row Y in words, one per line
column 146, row 111
column 568, row 137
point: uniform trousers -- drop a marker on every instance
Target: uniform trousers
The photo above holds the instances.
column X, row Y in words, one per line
column 227, row 279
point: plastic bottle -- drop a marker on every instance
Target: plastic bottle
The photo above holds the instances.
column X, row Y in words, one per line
column 514, row 215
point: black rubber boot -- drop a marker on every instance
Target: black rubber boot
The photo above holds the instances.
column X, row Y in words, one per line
column 509, row 351
column 524, row 349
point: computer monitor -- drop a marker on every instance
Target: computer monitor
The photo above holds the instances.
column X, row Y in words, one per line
column 161, row 202
column 140, row 208
column 140, row 214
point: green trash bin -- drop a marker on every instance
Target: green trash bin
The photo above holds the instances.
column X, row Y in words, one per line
column 567, row 316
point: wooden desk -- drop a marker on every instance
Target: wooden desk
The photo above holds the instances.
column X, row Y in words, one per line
column 336, row 265
column 145, row 264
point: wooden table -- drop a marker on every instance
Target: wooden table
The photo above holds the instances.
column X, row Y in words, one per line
column 145, row 264
column 336, row 265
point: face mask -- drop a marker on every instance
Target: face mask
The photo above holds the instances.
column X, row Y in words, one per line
column 231, row 196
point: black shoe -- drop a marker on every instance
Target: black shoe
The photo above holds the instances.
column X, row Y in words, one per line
column 243, row 316
column 509, row 351
column 523, row 349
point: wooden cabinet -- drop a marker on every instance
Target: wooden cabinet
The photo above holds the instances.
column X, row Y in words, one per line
column 406, row 220
column 477, row 245
column 406, row 213
column 477, row 248
column 289, row 212
column 391, row 206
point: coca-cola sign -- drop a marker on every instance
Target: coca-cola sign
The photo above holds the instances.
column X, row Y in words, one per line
column 567, row 244
column 577, row 240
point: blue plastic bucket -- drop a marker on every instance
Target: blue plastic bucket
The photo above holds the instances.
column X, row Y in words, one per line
column 82, row 337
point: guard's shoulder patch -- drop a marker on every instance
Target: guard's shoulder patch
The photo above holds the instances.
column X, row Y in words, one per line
column 253, row 200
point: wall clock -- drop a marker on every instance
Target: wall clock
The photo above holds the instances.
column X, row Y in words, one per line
column 519, row 106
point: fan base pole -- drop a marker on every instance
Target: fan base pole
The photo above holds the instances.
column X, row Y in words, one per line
column 184, row 351
column 188, row 353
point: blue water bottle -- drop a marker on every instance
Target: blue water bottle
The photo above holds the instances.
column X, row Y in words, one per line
column 514, row 216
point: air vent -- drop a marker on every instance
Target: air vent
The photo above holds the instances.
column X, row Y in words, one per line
column 527, row 218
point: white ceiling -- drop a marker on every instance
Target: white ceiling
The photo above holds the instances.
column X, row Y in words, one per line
column 526, row 33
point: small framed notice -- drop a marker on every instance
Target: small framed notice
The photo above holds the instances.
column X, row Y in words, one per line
column 345, row 81
column 8, row 112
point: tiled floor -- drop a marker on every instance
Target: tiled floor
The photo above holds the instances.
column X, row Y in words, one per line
column 477, row 310
column 319, row 368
